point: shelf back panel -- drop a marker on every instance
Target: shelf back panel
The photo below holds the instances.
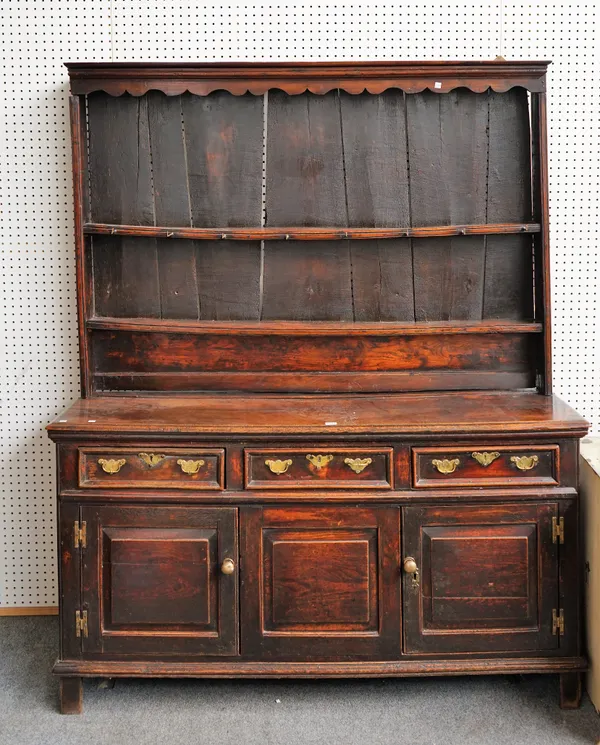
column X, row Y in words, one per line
column 126, row 360
column 470, row 278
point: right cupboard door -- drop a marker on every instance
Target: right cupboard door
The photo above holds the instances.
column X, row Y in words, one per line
column 486, row 580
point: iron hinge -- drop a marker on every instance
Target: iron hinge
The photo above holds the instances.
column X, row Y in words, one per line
column 558, row 622
column 81, row 623
column 79, row 534
column 558, row 530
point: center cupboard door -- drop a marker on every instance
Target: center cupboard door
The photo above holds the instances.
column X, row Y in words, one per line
column 486, row 581
column 320, row 583
column 154, row 582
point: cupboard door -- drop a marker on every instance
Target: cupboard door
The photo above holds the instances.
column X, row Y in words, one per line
column 153, row 580
column 320, row 583
column 487, row 578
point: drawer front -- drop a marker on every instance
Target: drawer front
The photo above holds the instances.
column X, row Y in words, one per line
column 167, row 468
column 328, row 468
column 487, row 465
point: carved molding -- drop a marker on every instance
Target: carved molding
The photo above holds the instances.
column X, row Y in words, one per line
column 296, row 78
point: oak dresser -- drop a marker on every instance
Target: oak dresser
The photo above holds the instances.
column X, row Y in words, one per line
column 317, row 435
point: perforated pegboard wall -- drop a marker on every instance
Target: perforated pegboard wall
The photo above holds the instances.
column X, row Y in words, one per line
column 39, row 368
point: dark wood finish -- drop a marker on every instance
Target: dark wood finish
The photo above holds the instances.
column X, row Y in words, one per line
column 69, row 576
column 571, row 689
column 502, row 471
column 152, row 581
column 321, row 582
column 319, row 328
column 388, row 309
column 206, row 469
column 427, row 415
column 487, row 578
column 71, row 695
column 332, row 473
column 174, row 78
column 308, row 234
column 543, row 245
column 123, row 360
column 322, row 669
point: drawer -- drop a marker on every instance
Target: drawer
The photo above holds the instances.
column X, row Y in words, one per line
column 488, row 465
column 325, row 468
column 165, row 468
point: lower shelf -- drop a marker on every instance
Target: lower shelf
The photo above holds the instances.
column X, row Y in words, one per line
column 384, row 669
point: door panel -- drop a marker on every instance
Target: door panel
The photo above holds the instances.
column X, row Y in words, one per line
column 321, row 582
column 152, row 580
column 487, row 578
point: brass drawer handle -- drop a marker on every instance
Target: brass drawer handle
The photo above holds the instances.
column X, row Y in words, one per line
column 525, row 462
column 190, row 466
column 485, row 459
column 109, row 465
column 151, row 459
column 445, row 465
column 358, row 465
column 278, row 466
column 319, row 461
column 410, row 567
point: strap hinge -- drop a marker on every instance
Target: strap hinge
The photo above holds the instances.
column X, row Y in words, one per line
column 558, row 530
column 558, row 622
column 79, row 534
column 81, row 623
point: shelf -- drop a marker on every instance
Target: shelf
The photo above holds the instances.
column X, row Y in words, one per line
column 308, row 234
column 313, row 328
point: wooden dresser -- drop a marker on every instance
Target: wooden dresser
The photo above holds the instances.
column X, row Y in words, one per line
column 317, row 436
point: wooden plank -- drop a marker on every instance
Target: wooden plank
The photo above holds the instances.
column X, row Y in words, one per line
column 509, row 189
column 448, row 278
column 509, row 263
column 382, row 280
column 447, row 144
column 228, row 280
column 375, row 159
column 310, row 234
column 447, row 149
column 106, row 261
column 29, row 610
column 169, row 169
column 305, row 170
column 508, row 278
column 125, row 277
column 176, row 258
column 169, row 352
column 316, row 328
column 311, row 282
column 119, row 160
column 310, row 383
column 177, row 279
column 224, row 144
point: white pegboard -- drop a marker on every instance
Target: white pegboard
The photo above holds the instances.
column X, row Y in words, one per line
column 39, row 367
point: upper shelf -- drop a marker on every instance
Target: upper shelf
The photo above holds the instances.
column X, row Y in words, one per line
column 308, row 234
column 117, row 78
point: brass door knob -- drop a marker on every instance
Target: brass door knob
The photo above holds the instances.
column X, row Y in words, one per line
column 228, row 566
column 410, row 565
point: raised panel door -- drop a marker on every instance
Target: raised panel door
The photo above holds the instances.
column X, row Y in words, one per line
column 153, row 582
column 321, row 582
column 486, row 580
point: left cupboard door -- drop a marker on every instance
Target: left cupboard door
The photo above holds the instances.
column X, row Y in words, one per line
column 160, row 580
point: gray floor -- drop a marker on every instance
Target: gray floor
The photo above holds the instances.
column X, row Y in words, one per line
column 438, row 711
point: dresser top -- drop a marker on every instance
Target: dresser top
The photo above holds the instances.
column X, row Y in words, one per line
column 201, row 78
column 398, row 414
